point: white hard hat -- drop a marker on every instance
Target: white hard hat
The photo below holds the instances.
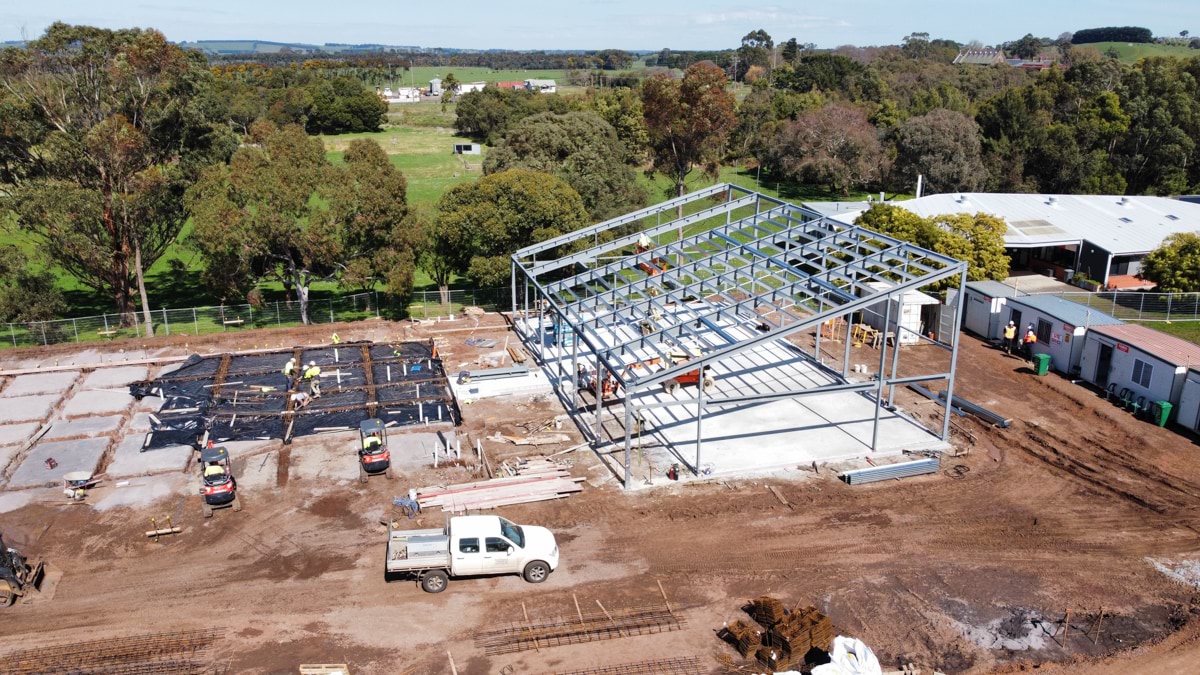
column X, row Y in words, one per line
column 312, row 363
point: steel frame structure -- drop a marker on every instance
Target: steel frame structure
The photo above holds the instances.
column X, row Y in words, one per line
column 781, row 266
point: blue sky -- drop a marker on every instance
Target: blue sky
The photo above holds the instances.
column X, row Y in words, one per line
column 595, row 24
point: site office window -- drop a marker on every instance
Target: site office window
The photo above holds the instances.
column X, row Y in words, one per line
column 1142, row 372
column 1043, row 331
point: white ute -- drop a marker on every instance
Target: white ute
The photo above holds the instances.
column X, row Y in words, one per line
column 469, row 546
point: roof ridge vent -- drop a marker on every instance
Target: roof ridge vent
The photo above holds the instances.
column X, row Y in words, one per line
column 962, row 199
column 1124, row 201
column 1052, row 200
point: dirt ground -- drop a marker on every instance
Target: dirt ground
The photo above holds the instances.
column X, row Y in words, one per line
column 1077, row 506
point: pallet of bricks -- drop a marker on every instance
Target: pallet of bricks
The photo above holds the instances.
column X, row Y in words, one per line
column 781, row 639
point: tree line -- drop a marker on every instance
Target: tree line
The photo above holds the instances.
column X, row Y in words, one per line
column 113, row 139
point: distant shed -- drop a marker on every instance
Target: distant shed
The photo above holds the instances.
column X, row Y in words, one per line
column 467, row 149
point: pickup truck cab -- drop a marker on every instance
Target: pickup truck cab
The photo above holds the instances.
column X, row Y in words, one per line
column 471, row 546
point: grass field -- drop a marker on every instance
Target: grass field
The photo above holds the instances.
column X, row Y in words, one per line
column 1132, row 51
column 419, row 140
column 1187, row 330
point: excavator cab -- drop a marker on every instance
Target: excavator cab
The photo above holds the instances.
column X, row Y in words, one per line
column 374, row 458
column 218, row 487
column 17, row 575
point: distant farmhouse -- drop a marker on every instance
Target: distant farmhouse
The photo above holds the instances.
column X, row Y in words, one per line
column 542, row 86
column 516, row 86
column 996, row 57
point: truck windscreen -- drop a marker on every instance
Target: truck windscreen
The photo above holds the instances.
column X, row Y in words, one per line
column 514, row 532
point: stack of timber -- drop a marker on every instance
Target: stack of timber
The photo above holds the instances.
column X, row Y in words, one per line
column 535, row 480
column 800, row 632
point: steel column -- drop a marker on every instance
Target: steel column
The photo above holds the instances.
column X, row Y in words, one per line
column 957, row 330
column 887, row 319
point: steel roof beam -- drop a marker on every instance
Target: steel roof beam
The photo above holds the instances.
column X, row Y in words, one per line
column 633, row 261
column 816, row 318
column 594, row 230
column 593, row 252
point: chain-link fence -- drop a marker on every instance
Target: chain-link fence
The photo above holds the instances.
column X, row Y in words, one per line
column 431, row 304
column 190, row 321
column 1138, row 305
column 229, row 318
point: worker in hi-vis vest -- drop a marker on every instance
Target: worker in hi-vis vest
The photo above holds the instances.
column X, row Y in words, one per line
column 313, row 375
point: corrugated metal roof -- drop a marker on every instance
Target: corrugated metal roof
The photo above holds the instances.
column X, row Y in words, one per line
column 1120, row 225
column 992, row 289
column 1173, row 350
column 1066, row 311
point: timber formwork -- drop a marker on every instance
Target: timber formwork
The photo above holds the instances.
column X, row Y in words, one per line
column 719, row 255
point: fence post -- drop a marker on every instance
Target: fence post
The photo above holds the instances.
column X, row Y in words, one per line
column 250, row 313
column 331, row 319
column 1114, row 307
column 13, row 330
column 1141, row 306
column 166, row 324
column 75, row 325
column 377, row 315
column 277, row 320
column 1168, row 308
column 44, row 343
column 195, row 321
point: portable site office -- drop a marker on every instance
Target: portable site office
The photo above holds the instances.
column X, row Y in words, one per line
column 1150, row 364
column 983, row 308
column 1060, row 325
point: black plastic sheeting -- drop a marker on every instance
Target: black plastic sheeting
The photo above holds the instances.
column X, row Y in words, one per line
column 249, row 404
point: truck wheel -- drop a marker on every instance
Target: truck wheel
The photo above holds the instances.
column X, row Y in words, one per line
column 434, row 582
column 669, row 386
column 388, row 474
column 709, row 383
column 7, row 598
column 237, row 503
column 362, row 473
column 536, row 572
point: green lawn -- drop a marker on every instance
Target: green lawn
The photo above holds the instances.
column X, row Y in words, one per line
column 1188, row 330
column 1132, row 51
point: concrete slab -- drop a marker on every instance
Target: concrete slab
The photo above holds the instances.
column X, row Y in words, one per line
column 751, row 438
column 140, row 423
column 96, row 403
column 84, row 426
column 6, row 456
column 115, row 378
column 11, row 501
column 325, row 456
column 82, row 455
column 258, row 474
column 141, row 492
column 40, row 383
column 16, row 434
column 27, row 408
column 129, row 460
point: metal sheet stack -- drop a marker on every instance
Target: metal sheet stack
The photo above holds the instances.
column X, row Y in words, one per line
column 536, row 480
column 890, row 471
